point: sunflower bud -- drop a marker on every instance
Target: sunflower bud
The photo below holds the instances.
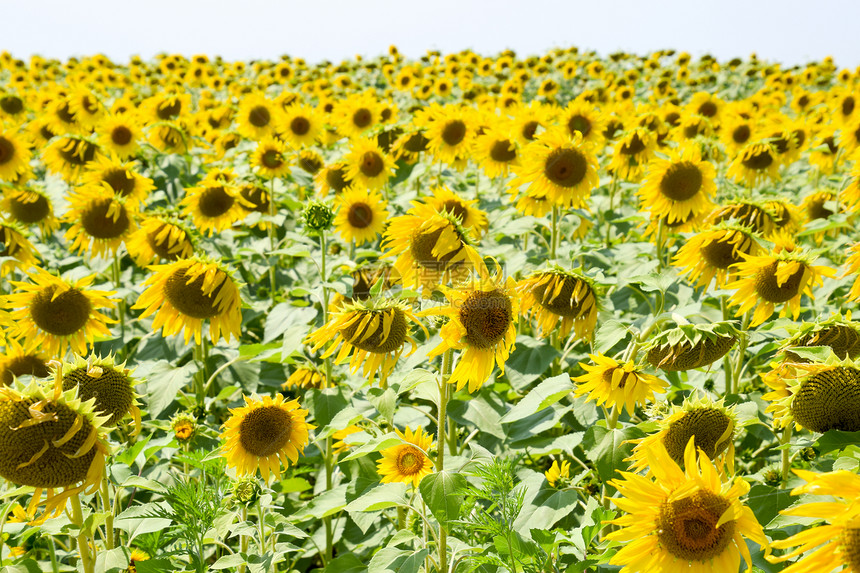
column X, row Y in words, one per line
column 183, row 426
column 246, row 490
column 318, row 217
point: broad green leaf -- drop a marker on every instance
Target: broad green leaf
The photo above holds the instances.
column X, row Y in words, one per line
column 347, row 563
column 326, row 503
column 163, row 382
column 394, row 560
column 326, row 404
column 133, row 521
column 113, row 560
column 606, row 448
column 229, row 561
column 541, row 396
column 528, row 361
column 374, row 445
column 439, row 492
column 609, row 334
column 380, row 497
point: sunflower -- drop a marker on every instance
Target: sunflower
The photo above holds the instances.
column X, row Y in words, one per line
column 227, row 141
column 711, row 424
column 679, row 186
column 366, row 165
column 357, row 114
column 12, row 107
column 310, row 161
column 108, row 384
column 496, row 152
column 557, row 473
column 17, row 361
column 780, row 276
column 14, row 156
column 839, row 333
column 737, row 131
column 86, row 107
column 169, row 137
column 28, row 207
column 300, row 125
column 54, row 314
column 340, row 445
column 408, row 462
column 585, row 119
column 632, row 153
column 690, row 346
column 332, row 179
column 558, row 167
column 431, row 248
column 68, row 155
column 374, row 331
column 748, row 213
column 61, row 120
column 360, row 215
column 169, row 106
column 715, row 252
column 682, row 519
column 263, row 434
column 707, row 105
column 213, row 206
column 257, row 117
column 466, row 212
column 99, row 221
column 14, row 244
column 450, row 131
column 558, row 294
column 482, row 324
column 306, row 377
column 270, row 158
column 787, row 218
column 120, row 178
column 835, row 544
column 529, row 120
column 755, row 163
column 50, row 439
column 159, row 238
column 609, row 383
column 817, row 396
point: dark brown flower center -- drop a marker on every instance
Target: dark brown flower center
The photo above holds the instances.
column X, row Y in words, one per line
column 416, row 143
column 720, row 253
column 486, row 317
column 829, row 400
column 300, row 125
column 377, row 342
column 215, row 201
column 265, row 431
column 100, row 220
column 849, row 543
column 256, row 196
column 12, row 105
column 687, row 528
column 707, row 425
column 7, row 150
column 259, row 116
column 454, row 132
column 566, row 167
column 120, row 180
column 169, row 108
column 503, row 151
column 360, row 215
column 422, row 250
column 362, row 117
column 564, row 304
column 78, row 152
column 188, row 297
column 27, row 211
column 579, row 123
column 741, row 134
column 758, row 160
column 766, row 286
column 162, row 248
column 371, row 164
column 121, row 135
column 684, row 356
column 27, row 364
column 529, row 129
column 633, row 145
column 336, row 179
column 708, row 109
column 64, row 315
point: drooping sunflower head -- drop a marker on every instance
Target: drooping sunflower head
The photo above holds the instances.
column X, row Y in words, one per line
column 69, row 155
column 310, row 161
column 263, row 434
column 408, row 462
column 817, row 396
column 443, row 199
column 108, row 384
column 680, row 186
column 747, row 212
column 713, row 253
column 213, row 206
column 159, row 238
column 689, row 346
column 56, row 314
column 50, row 439
column 27, row 206
column 271, row 158
column 360, row 216
column 306, row 377
column 169, row 137
column 786, row 216
column 17, row 361
column 839, row 333
column 375, row 332
column 754, row 163
column 609, row 383
column 168, row 106
column 14, row 155
column 367, row 165
column 99, row 221
column 14, row 244
column 558, row 294
column 711, row 424
column 409, row 146
column 332, row 179
column 184, row 293
column 777, row 277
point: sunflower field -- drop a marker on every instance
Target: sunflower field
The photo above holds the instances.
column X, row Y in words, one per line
column 555, row 314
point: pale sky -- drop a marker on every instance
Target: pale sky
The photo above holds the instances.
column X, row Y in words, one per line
column 790, row 31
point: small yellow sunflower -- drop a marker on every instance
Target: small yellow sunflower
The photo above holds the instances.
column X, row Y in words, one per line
column 159, row 238
column 482, row 317
column 300, row 126
column 465, row 211
column 557, row 473
column 270, row 158
column 357, row 114
column 55, row 314
column 120, row 135
column 682, row 519
column 631, row 154
column 306, row 377
column 15, row 245
column 408, row 462
column 558, row 294
column 780, row 276
column 450, row 131
column 69, row 155
column 184, row 293
column 120, row 178
column 14, row 156
column 257, row 117
column 496, row 152
column 332, row 179
column 585, row 119
column 367, row 165
column 375, row 332
column 17, row 361
column 680, row 186
column 558, row 167
column 715, row 252
column 609, row 383
column 99, row 221
column 754, row 163
column 213, row 206
column 360, row 215
column 263, row 434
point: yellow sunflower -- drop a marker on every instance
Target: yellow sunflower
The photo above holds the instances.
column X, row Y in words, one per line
column 631, row 154
column 374, row 332
column 366, row 164
column 557, row 473
column 14, row 244
column 99, row 221
column 120, row 178
column 431, row 248
column 17, row 361
column 51, row 440
column 69, row 155
column 213, row 206
column 466, row 212
column 120, row 135
column 496, row 151
column 680, row 186
column 754, row 163
column 836, row 543
column 558, row 294
column 357, row 114
column 482, row 317
column 159, row 238
column 711, row 424
column 332, row 179
column 169, row 137
column 360, row 215
column 257, row 117
column 306, row 377
column 558, row 167
column 780, row 276
column 408, row 462
column 168, row 106
column 756, row 215
column 29, row 207
column 715, row 252
column 263, row 434
column 300, row 126
column 14, row 156
column 109, row 385
column 271, row 159
column 55, row 314
column 609, row 383
column 585, row 119
column 450, row 131
column 186, row 292
column 682, row 519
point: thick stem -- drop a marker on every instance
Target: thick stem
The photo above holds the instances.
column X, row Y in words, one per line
column 200, row 378
column 786, row 453
column 261, row 513
column 612, row 421
column 727, row 360
column 401, row 517
column 329, row 482
column 447, row 361
column 83, row 538
column 553, row 239
column 661, row 237
column 106, row 505
column 120, row 307
column 323, row 278
column 272, row 243
column 243, row 539
column 742, row 349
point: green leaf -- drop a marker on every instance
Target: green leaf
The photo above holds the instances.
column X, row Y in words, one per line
column 394, row 560
column 327, row 503
column 132, row 521
column 283, row 316
column 609, row 334
column 326, row 404
column 528, row 361
column 113, row 560
column 374, row 445
column 229, row 561
column 384, row 401
column 163, row 383
column 836, row 440
column 439, row 492
column 347, row 563
column 542, row 396
column 380, row 497
column 606, row 448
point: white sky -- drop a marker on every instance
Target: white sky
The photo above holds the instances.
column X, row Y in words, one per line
column 790, row 31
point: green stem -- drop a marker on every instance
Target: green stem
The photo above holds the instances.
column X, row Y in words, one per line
column 323, row 278
column 553, row 239
column 727, row 360
column 83, row 538
column 612, row 421
column 661, row 237
column 200, row 378
column 105, row 494
column 272, row 244
column 243, row 539
column 55, row 567
column 742, row 349
column 401, row 517
column 120, row 307
column 261, row 511
column 612, row 187
column 786, row 453
column 447, row 362
column 329, row 483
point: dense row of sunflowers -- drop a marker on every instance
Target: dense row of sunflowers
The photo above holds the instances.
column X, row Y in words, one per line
column 632, row 276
